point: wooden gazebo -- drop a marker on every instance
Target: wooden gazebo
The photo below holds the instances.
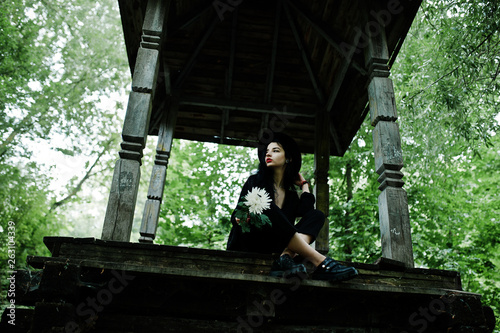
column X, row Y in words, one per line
column 230, row 72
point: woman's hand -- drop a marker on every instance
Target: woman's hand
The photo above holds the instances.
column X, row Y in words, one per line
column 301, row 179
column 238, row 220
column 300, row 183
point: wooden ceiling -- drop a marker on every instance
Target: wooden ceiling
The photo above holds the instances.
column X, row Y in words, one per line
column 258, row 64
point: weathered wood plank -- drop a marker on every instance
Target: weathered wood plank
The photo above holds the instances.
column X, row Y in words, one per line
column 321, row 167
column 395, row 284
column 393, row 204
column 158, row 175
column 146, row 70
column 122, row 199
column 387, row 147
column 135, row 125
column 155, row 17
column 196, row 288
column 377, row 53
column 395, row 225
column 150, row 220
column 382, row 101
column 123, row 195
column 163, row 256
column 202, row 285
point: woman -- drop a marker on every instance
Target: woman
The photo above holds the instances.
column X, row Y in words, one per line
column 278, row 174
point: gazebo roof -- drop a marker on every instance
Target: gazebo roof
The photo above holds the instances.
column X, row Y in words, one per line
column 240, row 66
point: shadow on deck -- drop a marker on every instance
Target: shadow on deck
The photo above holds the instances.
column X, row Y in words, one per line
column 90, row 285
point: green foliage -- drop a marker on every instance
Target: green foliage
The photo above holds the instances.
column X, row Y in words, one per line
column 353, row 217
column 55, row 72
column 454, row 213
column 446, row 78
column 447, row 88
column 23, row 201
column 59, row 62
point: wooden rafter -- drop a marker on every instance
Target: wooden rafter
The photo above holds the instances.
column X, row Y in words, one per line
column 229, row 74
column 324, row 31
column 304, row 55
column 270, row 78
column 189, row 18
column 166, row 78
column 246, row 106
column 232, row 51
column 334, row 135
column 194, row 56
column 339, row 78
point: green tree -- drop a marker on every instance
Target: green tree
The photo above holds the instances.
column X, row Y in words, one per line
column 353, row 216
column 447, row 88
column 59, row 62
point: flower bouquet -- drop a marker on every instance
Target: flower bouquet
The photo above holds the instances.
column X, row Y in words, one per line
column 250, row 210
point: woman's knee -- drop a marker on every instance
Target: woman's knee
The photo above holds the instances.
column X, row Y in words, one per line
column 317, row 216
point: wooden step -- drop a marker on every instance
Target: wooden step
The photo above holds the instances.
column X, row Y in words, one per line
column 135, row 287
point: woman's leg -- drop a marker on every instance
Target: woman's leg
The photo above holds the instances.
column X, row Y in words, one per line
column 307, row 238
column 308, row 228
column 299, row 244
column 326, row 268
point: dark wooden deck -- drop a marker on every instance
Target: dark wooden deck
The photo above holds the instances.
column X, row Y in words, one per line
column 91, row 285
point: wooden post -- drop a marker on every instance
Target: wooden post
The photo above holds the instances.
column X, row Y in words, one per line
column 122, row 198
column 158, row 175
column 321, row 167
column 393, row 203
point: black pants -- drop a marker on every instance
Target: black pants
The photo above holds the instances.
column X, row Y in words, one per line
column 275, row 238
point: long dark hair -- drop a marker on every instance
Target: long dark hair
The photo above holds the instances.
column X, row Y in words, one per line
column 292, row 154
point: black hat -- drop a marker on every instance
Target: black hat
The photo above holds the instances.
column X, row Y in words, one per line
column 291, row 148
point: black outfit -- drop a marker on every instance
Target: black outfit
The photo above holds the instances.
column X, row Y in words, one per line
column 275, row 238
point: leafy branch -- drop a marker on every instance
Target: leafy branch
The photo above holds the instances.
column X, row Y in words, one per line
column 74, row 191
column 454, row 69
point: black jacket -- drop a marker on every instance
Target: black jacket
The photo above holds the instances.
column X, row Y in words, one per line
column 270, row 239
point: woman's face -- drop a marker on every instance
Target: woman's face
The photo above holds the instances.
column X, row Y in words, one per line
column 275, row 155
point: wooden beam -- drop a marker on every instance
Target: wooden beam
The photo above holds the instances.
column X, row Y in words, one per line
column 189, row 18
column 305, row 58
column 229, row 74
column 194, row 56
column 125, row 184
column 335, row 136
column 158, row 175
column 318, row 25
column 224, row 121
column 247, row 106
column 324, row 31
column 321, row 167
column 339, row 78
column 232, row 52
column 393, row 203
column 166, row 78
column 272, row 67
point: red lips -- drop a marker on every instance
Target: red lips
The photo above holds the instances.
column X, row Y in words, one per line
column 268, row 160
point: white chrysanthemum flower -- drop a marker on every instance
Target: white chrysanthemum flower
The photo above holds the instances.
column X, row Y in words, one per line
column 257, row 200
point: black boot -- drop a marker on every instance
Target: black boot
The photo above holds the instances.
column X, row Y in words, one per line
column 285, row 267
column 331, row 270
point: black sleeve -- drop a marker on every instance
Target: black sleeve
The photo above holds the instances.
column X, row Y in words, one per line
column 306, row 203
column 244, row 191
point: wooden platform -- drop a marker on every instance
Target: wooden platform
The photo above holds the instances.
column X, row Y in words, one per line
column 91, row 285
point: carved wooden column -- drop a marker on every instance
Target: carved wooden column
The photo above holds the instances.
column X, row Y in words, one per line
column 321, row 166
column 159, row 174
column 393, row 203
column 122, row 198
